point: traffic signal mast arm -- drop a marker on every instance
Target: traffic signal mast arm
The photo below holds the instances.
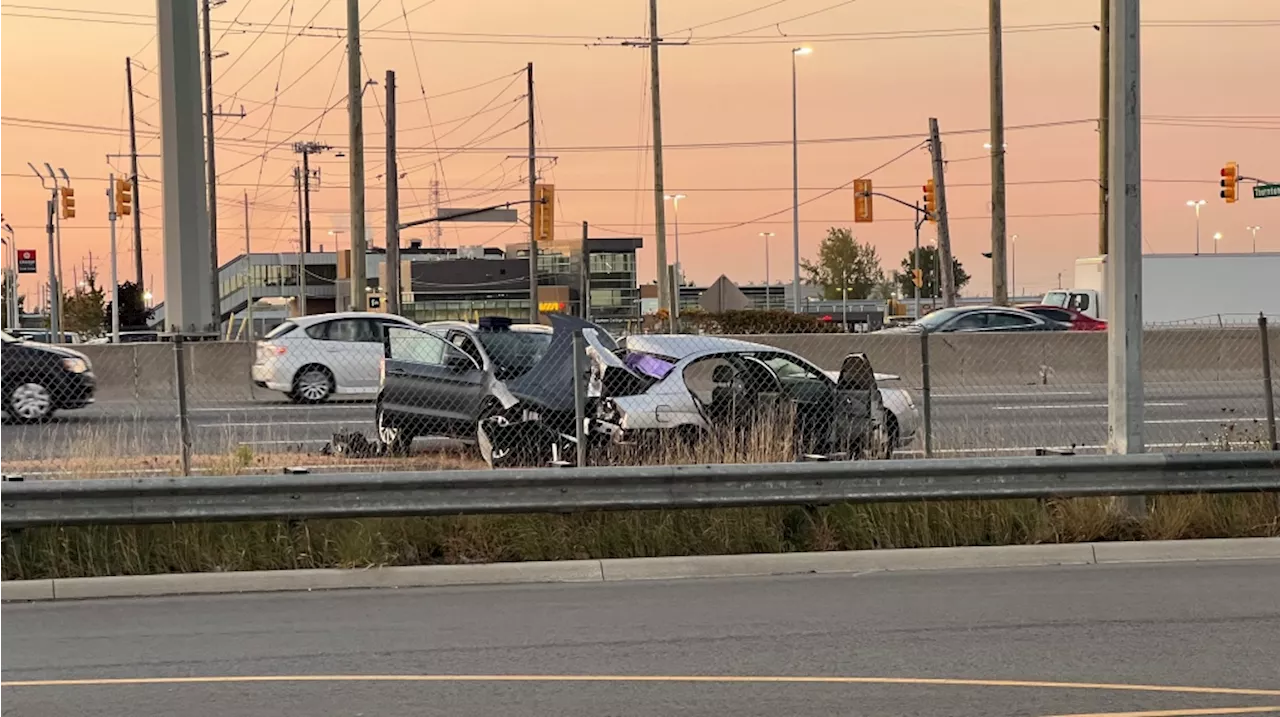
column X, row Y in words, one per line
column 895, row 199
column 468, row 213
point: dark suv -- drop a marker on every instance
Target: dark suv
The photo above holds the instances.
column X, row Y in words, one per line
column 40, row 379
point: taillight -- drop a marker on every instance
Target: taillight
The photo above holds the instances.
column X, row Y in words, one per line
column 279, row 350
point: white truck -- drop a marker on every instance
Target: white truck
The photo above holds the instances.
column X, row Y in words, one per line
column 1184, row 288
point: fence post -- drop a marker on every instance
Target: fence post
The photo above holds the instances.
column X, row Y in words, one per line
column 1268, row 391
column 926, row 398
column 184, row 422
column 580, row 396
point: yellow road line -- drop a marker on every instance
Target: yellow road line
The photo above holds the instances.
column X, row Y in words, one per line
column 1184, row 713
column 714, row 679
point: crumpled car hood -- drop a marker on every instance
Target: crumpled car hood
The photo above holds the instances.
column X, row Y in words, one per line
column 549, row 383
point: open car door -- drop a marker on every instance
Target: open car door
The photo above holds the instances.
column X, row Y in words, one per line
column 860, row 424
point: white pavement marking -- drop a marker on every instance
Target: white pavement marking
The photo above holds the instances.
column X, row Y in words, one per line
column 1018, row 394
column 271, row 424
column 1050, row 406
column 269, row 407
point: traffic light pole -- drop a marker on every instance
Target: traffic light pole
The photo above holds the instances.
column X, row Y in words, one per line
column 115, row 279
column 55, row 323
column 920, row 219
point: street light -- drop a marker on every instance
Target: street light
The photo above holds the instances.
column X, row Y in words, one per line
column 1217, row 237
column 795, row 176
column 1013, row 265
column 1197, row 203
column 676, row 199
column 1254, row 231
column 768, row 288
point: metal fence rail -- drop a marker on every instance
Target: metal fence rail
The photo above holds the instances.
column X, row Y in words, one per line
column 209, row 499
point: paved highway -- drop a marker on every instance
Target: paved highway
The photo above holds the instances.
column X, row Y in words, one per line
column 1011, row 421
column 931, row 643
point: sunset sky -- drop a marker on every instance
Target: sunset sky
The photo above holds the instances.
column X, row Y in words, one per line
column 879, row 70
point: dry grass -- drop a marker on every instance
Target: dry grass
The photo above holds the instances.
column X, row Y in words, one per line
column 76, row 552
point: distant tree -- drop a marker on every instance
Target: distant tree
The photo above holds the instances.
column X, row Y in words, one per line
column 134, row 314
column 82, row 308
column 844, row 262
column 929, row 269
column 4, row 303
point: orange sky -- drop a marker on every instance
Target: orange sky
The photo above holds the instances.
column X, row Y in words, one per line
column 733, row 89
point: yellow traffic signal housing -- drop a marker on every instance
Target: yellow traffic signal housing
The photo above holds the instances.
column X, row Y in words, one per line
column 544, row 214
column 931, row 201
column 862, row 209
column 917, row 277
column 67, row 197
column 124, row 197
column 1230, row 182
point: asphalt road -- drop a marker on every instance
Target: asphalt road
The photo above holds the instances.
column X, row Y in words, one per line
column 1018, row 420
column 940, row 643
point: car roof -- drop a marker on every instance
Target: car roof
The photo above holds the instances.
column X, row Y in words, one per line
column 524, row 328
column 682, row 346
column 312, row 319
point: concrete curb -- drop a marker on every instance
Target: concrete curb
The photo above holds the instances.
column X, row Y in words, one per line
column 629, row 569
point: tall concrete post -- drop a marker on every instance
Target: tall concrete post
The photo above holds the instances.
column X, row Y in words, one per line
column 999, row 233
column 1124, row 260
column 392, row 264
column 187, row 282
column 355, row 120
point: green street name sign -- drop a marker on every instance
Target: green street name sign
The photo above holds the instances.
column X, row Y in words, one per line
column 1262, row 191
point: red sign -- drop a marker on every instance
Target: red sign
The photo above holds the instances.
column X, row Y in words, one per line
column 26, row 261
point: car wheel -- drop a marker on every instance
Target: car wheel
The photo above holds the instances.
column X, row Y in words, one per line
column 313, row 384
column 492, row 414
column 395, row 436
column 888, row 437
column 29, row 402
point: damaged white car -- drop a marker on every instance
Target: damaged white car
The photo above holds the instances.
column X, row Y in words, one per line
column 511, row 389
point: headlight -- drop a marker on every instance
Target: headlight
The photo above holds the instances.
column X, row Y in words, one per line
column 75, row 365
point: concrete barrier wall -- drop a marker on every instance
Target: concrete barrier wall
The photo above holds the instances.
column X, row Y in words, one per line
column 220, row 371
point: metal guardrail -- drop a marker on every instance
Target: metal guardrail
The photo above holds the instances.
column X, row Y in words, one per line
column 231, row 498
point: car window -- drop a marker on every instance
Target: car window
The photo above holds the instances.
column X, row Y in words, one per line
column 969, row 322
column 464, row 343
column 1079, row 302
column 1004, row 320
column 1057, row 315
column 280, row 330
column 513, row 353
column 789, row 369
column 937, row 318
column 414, row 346
column 348, row 330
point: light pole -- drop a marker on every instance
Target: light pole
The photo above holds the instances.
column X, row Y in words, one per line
column 1217, row 237
column 1197, row 203
column 11, row 276
column 795, row 177
column 675, row 199
column 768, row 288
column 1013, row 266
column 1252, row 230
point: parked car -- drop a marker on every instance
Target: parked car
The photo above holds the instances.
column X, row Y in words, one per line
column 40, row 379
column 985, row 319
column 130, row 337
column 311, row 358
column 45, row 336
column 1074, row 320
column 510, row 388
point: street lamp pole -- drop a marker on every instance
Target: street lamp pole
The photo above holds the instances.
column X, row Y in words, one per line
column 1013, row 266
column 795, row 178
column 768, row 288
column 1217, row 237
column 1254, row 231
column 1196, row 203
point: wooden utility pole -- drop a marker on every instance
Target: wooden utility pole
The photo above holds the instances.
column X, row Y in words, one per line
column 659, row 189
column 1104, row 123
column 584, row 276
column 999, row 230
column 946, row 270
column 392, row 287
column 211, row 168
column 248, row 271
column 133, row 178
column 355, row 121
column 533, row 198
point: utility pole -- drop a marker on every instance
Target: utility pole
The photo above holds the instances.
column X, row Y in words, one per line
column 115, row 278
column 302, row 247
column 1104, row 124
column 999, row 266
column 355, row 121
column 665, row 292
column 248, row 272
column 585, row 276
column 945, row 269
column 1124, row 261
column 211, row 168
column 533, row 198
column 133, row 177
column 392, row 259
column 306, row 149
column 55, row 291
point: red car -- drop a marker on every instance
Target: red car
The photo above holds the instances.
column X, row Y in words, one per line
column 1076, row 320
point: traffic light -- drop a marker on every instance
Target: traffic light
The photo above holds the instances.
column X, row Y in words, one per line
column 931, row 201
column 1230, row 182
column 862, row 209
column 124, row 197
column 544, row 214
column 917, row 277
column 67, row 197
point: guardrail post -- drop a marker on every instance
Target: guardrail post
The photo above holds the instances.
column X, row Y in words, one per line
column 580, row 395
column 1268, row 390
column 184, row 422
column 926, row 398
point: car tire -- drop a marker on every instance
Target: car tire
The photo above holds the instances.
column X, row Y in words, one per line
column 396, row 437
column 28, row 401
column 312, row 384
column 889, row 438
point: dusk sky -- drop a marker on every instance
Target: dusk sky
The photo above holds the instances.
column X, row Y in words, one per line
column 879, row 70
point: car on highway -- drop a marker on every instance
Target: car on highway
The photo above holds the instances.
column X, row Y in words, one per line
column 980, row 319
column 1075, row 320
column 39, row 379
column 311, row 358
column 45, row 336
column 510, row 387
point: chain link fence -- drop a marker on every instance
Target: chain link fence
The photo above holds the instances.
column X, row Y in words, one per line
column 373, row 390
